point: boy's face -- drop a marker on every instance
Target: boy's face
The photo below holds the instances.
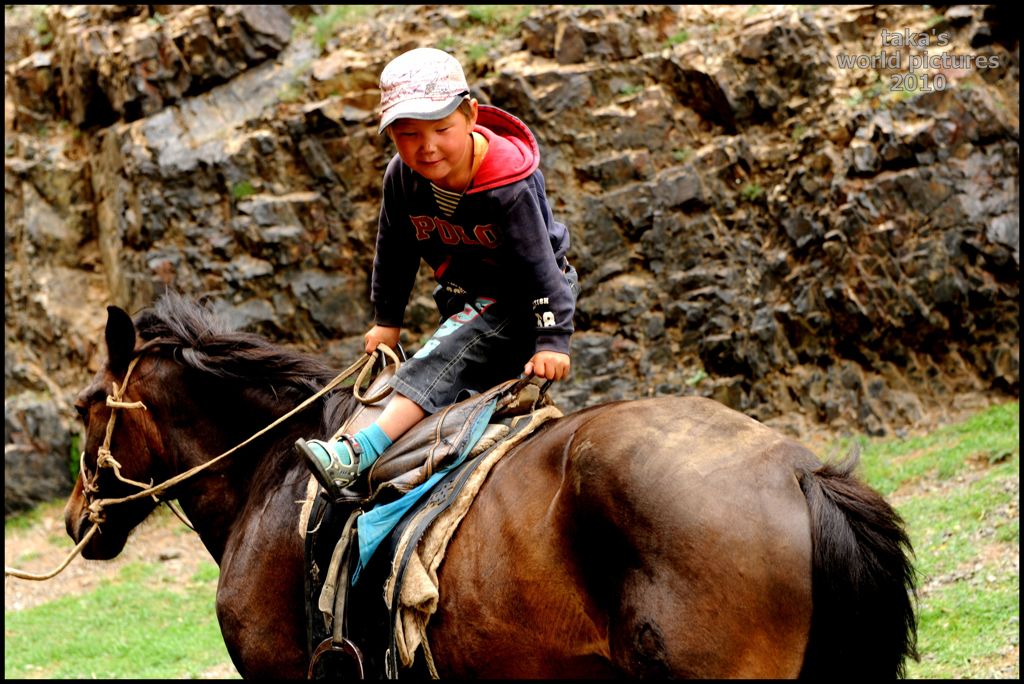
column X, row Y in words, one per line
column 440, row 151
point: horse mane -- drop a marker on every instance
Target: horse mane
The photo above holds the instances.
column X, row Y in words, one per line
column 204, row 342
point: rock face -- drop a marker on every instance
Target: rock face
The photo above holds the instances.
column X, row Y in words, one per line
column 751, row 219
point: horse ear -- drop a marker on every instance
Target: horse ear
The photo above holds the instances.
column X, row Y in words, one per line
column 120, row 337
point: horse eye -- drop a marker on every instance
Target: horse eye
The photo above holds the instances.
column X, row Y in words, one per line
column 83, row 413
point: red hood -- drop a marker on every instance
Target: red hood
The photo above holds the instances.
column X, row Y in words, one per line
column 512, row 151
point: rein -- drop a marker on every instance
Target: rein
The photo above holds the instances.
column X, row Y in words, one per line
column 105, row 458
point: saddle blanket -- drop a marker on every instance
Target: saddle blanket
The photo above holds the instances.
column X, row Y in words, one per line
column 418, row 594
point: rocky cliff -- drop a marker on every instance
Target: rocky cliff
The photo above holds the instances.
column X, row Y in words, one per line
column 810, row 214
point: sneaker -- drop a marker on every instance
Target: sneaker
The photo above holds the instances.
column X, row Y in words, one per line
column 334, row 463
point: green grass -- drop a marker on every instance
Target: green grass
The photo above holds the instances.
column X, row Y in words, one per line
column 504, row 18
column 677, row 38
column 242, row 189
column 139, row 626
column 478, row 51
column 324, row 26
column 26, row 519
column 990, row 437
column 681, row 155
column 967, row 629
column 751, row 192
column 41, row 25
column 290, row 92
column 957, row 488
column 695, row 379
column 75, row 456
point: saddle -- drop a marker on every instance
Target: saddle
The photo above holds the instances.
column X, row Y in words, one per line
column 444, row 440
column 436, row 441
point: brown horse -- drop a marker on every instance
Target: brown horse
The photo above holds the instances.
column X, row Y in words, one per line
column 669, row 537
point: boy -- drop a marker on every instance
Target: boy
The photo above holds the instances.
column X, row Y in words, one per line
column 464, row 193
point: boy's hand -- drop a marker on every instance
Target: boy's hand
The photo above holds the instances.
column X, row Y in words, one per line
column 381, row 334
column 550, row 365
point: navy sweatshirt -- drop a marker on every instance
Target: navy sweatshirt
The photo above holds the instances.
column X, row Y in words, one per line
column 502, row 240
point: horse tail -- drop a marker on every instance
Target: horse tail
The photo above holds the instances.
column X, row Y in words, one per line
column 864, row 590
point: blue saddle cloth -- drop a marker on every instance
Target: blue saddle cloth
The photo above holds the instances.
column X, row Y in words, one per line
column 376, row 525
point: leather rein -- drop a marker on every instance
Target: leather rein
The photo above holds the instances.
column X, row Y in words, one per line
column 105, row 458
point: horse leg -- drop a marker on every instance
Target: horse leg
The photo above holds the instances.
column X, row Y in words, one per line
column 260, row 602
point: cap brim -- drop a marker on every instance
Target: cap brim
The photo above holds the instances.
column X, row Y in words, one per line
column 423, row 109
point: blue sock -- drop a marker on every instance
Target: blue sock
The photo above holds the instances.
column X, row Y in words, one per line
column 374, row 441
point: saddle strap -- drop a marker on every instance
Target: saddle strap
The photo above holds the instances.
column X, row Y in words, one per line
column 332, row 602
column 336, row 582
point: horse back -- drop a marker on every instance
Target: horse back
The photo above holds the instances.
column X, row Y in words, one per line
column 665, row 537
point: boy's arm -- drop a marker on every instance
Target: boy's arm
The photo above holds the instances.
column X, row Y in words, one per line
column 552, row 300
column 396, row 259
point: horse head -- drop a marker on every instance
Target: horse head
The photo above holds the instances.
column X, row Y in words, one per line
column 179, row 390
column 121, row 444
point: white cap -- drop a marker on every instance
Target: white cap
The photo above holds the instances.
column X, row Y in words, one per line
column 425, row 83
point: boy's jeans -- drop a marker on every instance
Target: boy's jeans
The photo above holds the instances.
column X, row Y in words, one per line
column 474, row 349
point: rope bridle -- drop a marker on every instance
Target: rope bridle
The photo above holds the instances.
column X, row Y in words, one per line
column 105, row 458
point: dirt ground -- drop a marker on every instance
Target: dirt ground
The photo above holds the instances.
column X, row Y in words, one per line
column 43, row 546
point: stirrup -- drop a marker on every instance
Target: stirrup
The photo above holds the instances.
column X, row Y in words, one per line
column 337, row 475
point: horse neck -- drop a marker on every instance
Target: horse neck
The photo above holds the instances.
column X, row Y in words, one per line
column 221, row 500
